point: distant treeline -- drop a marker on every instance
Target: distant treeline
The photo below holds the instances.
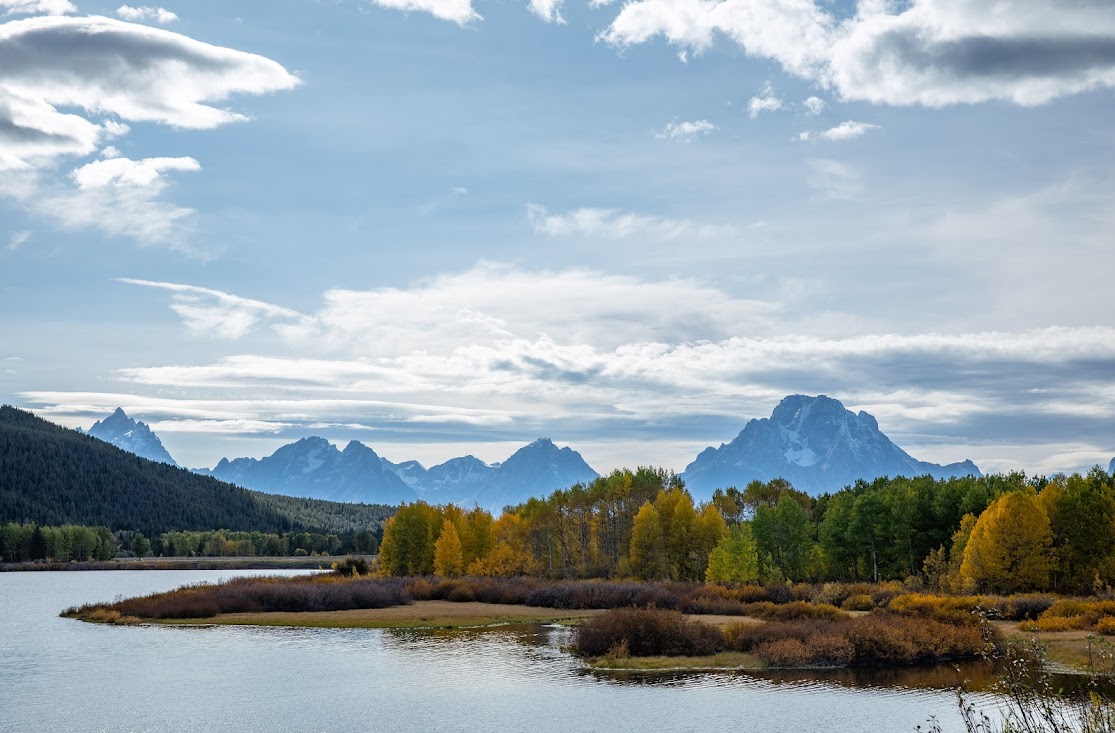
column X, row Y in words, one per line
column 1001, row 533
column 31, row 542
column 50, row 475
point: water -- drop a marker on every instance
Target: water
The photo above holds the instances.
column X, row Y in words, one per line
column 63, row 675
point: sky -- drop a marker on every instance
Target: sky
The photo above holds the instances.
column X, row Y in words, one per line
column 444, row 227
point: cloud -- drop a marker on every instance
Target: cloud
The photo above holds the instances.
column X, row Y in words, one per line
column 146, row 14
column 117, row 195
column 497, row 353
column 35, row 7
column 455, row 11
column 921, row 52
column 119, row 171
column 834, row 179
column 796, row 33
column 844, row 131
column 18, row 240
column 814, row 105
column 941, row 52
column 766, row 102
column 616, row 224
column 65, row 85
column 684, row 132
column 548, row 10
column 205, row 311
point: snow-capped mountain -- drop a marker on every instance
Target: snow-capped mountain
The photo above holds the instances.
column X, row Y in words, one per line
column 132, row 436
column 534, row 470
column 314, row 467
column 816, row 444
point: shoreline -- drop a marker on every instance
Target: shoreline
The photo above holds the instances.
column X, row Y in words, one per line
column 178, row 563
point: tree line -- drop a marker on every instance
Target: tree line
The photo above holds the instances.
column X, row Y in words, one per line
column 1001, row 533
column 32, row 542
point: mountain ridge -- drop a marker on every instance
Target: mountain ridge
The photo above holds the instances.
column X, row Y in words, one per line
column 131, row 435
column 816, row 444
column 314, row 467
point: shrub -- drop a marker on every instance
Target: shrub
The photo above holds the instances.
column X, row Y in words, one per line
column 646, row 632
column 868, row 640
column 1025, row 608
column 786, row 652
column 1106, row 626
column 858, row 602
column 350, row 566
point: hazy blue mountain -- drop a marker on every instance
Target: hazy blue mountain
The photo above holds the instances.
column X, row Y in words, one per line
column 534, row 470
column 1111, row 467
column 132, row 436
column 314, row 467
column 816, row 444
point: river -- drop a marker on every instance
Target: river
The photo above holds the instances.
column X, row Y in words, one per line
column 63, row 675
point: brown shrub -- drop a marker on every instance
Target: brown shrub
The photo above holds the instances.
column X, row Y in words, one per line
column 646, row 632
column 858, row 602
column 785, row 653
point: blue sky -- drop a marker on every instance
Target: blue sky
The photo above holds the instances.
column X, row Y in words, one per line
column 443, row 228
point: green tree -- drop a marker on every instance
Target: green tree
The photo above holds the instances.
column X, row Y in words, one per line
column 784, row 534
column 141, row 546
column 735, row 559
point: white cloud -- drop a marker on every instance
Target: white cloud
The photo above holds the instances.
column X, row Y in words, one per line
column 205, row 311
column 455, row 11
column 814, row 105
column 120, row 171
column 796, row 33
column 144, row 13
column 846, row 130
column 920, row 52
column 684, row 132
column 548, row 10
column 765, row 102
column 18, row 240
column 834, row 179
column 942, row 52
column 35, row 7
column 616, row 224
column 101, row 71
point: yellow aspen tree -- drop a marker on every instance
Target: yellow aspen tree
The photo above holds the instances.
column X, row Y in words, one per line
column 449, row 560
column 648, row 547
column 1010, row 547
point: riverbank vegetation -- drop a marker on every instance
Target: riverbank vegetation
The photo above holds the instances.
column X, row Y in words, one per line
column 28, row 543
column 1003, row 534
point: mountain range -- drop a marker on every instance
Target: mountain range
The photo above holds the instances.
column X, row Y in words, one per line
column 816, row 444
column 314, row 467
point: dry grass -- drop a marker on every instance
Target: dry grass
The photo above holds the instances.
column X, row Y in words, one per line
column 421, row 614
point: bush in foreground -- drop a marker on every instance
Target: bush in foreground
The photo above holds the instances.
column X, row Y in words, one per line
column 878, row 639
column 646, row 632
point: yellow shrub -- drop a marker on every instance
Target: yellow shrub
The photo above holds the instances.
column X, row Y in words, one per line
column 1106, row 626
column 1059, row 623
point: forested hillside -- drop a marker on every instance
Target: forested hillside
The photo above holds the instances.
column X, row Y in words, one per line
column 55, row 476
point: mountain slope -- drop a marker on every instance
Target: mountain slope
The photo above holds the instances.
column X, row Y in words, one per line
column 816, row 444
column 131, row 435
column 52, row 475
column 313, row 467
